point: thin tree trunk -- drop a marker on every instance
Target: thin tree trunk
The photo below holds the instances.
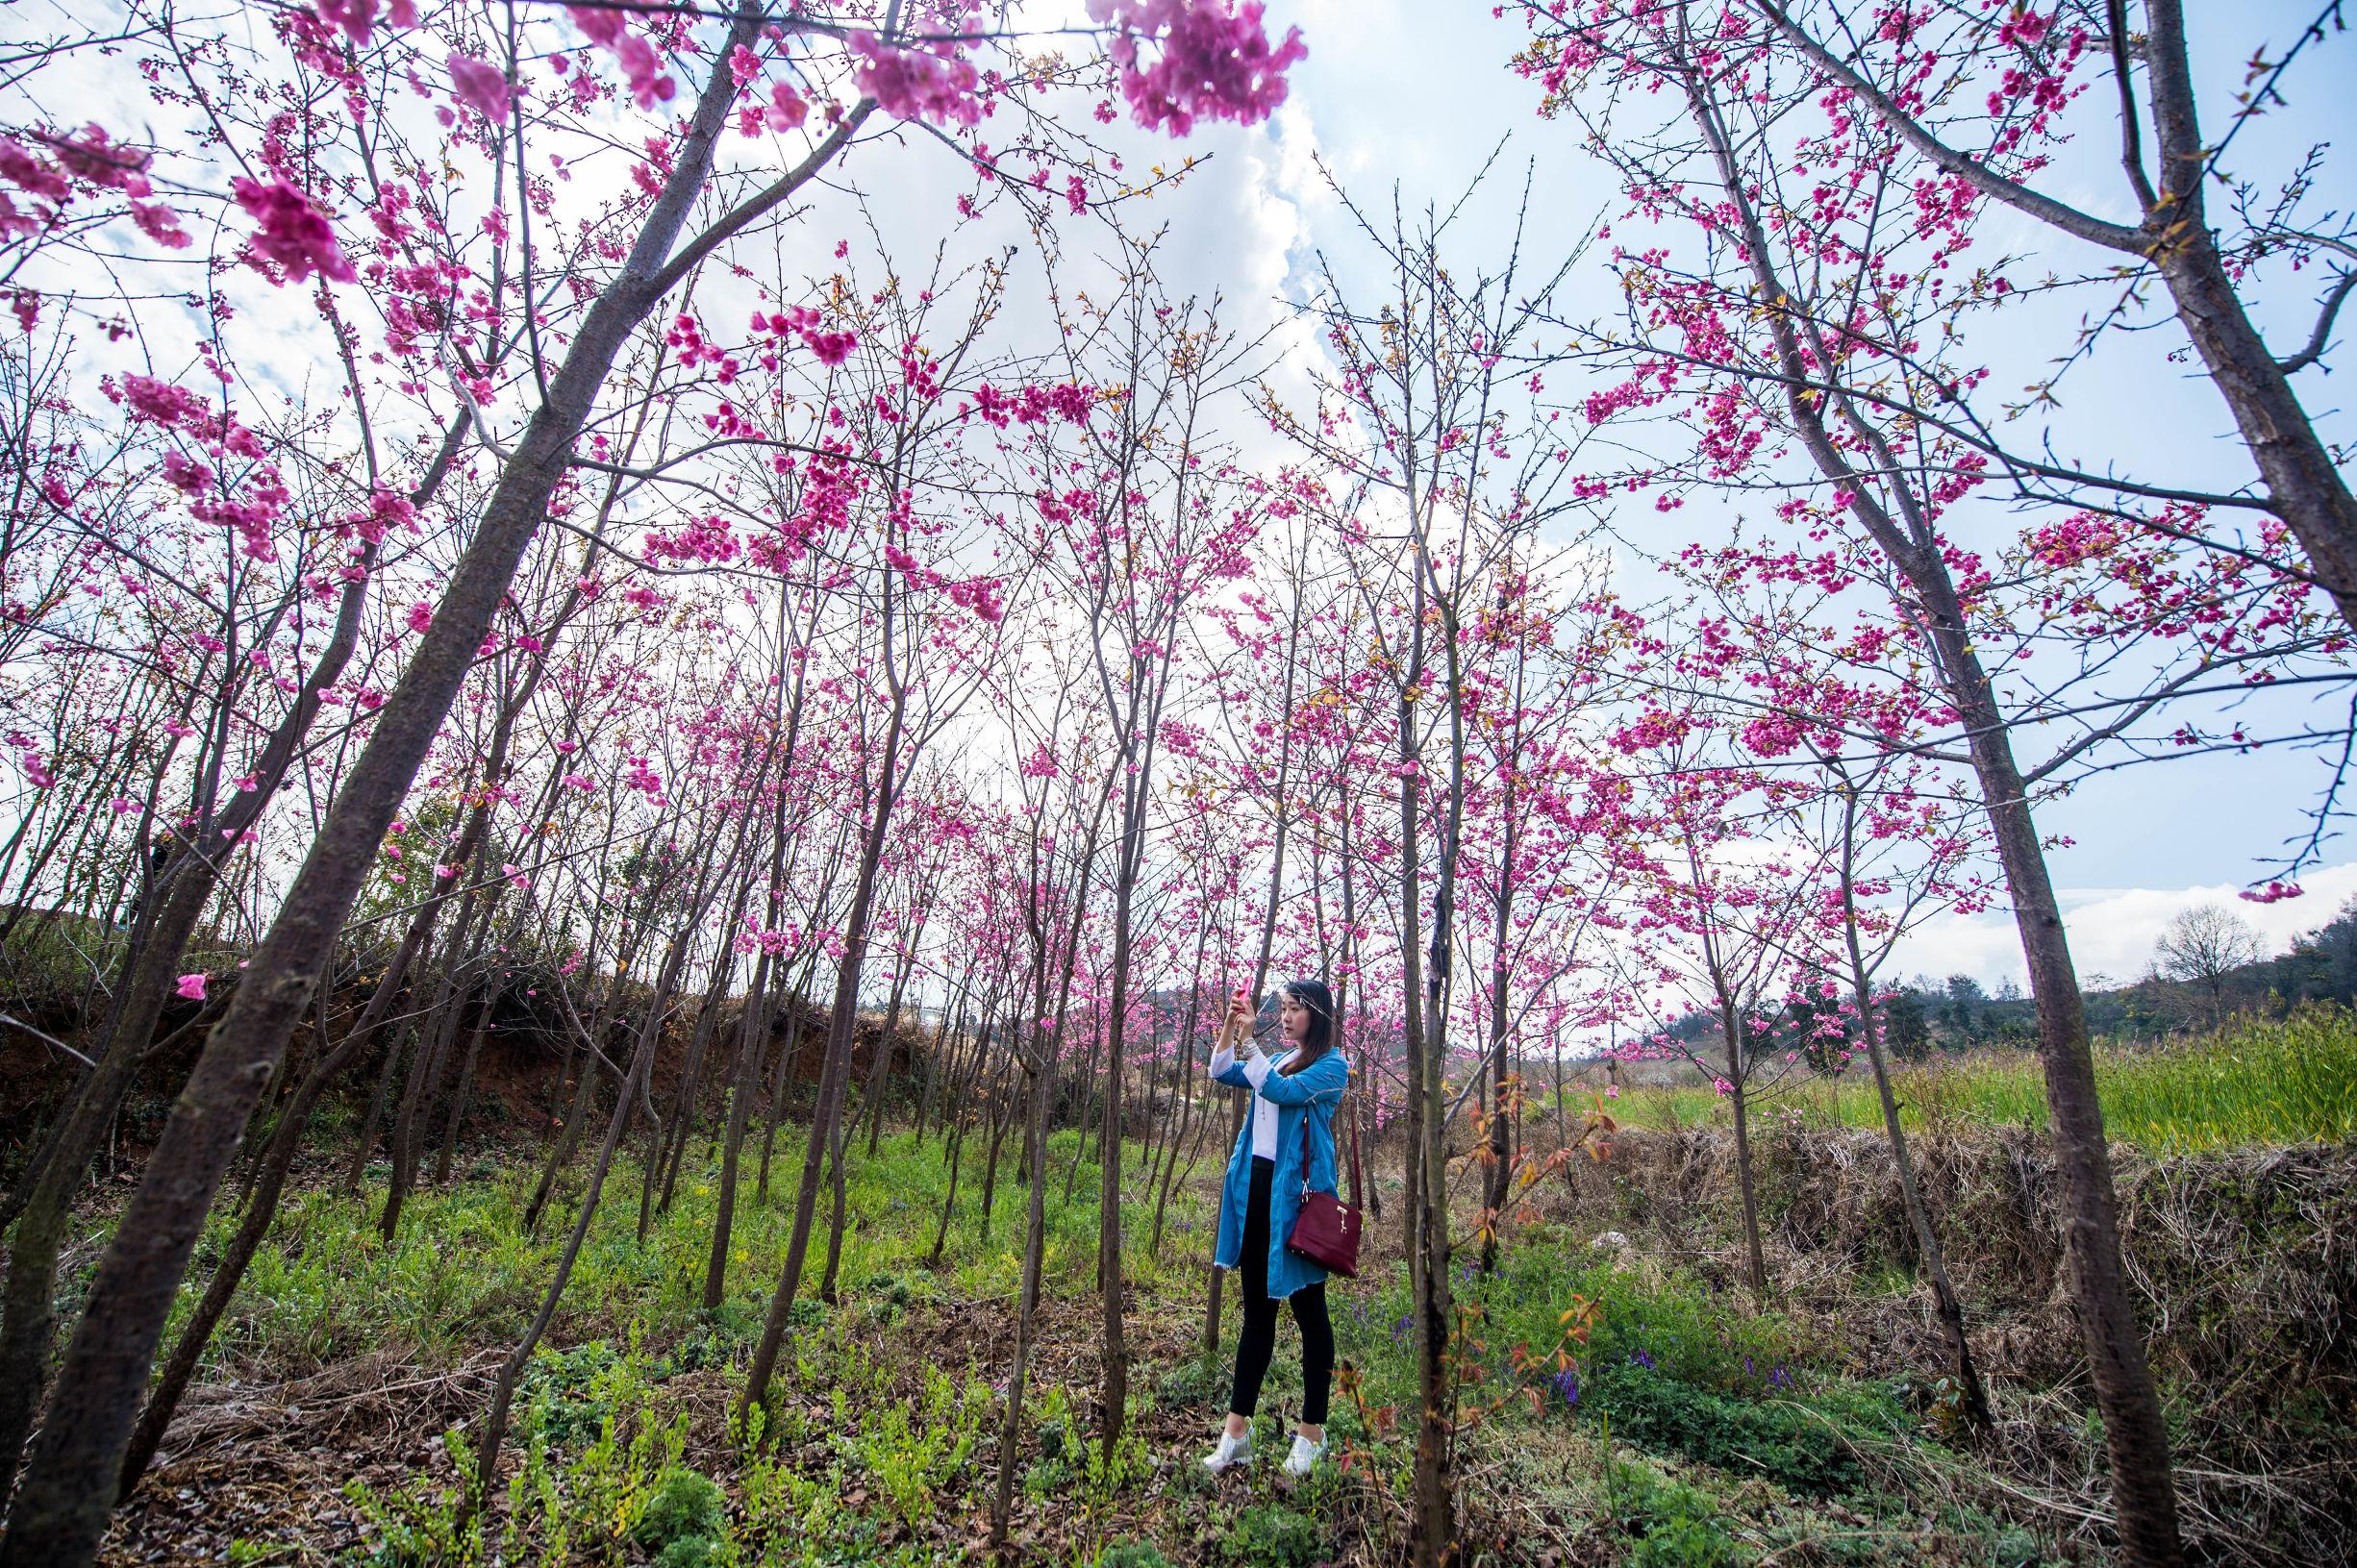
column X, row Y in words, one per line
column 879, row 1070
column 425, row 1071
column 503, row 1390
column 414, row 944
column 955, row 1121
column 833, row 1075
column 784, row 1082
column 837, row 1217
column 1755, row 1259
column 740, row 1086
column 467, row 1083
column 999, row 1118
column 672, row 1152
column 1034, row 1246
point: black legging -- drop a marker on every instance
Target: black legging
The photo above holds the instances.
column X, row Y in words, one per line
column 1260, row 1336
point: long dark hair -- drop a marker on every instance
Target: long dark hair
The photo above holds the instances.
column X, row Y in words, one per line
column 1312, row 995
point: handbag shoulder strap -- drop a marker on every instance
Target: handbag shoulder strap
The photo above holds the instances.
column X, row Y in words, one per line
column 1354, row 1152
column 1307, row 1119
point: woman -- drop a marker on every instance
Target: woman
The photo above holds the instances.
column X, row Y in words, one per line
column 1294, row 1098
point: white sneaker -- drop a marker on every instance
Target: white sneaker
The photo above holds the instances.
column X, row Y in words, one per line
column 1304, row 1457
column 1232, row 1451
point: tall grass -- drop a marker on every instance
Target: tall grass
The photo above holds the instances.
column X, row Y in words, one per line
column 461, row 1272
column 2256, row 1082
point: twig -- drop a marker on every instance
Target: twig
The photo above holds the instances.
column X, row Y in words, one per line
column 46, row 1038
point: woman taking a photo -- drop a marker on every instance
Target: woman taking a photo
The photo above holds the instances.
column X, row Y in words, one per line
column 1285, row 1148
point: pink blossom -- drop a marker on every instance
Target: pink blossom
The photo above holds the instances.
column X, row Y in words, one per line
column 292, row 233
column 916, row 84
column 609, row 27
column 1215, row 61
column 160, row 224
column 190, row 987
column 358, row 17
column 788, row 108
column 420, row 617
column 480, row 86
column 31, row 173
column 96, row 158
column 386, row 512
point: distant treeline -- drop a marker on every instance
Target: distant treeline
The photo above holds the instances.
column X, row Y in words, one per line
column 1925, row 1015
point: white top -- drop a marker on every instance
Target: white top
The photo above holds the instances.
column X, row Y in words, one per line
column 1257, row 1068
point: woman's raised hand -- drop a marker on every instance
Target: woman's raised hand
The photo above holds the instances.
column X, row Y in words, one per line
column 1238, row 1018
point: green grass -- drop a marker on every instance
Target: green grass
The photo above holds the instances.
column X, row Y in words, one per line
column 463, row 1273
column 873, row 1459
column 2256, row 1082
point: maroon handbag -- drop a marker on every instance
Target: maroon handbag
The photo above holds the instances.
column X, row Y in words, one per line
column 1326, row 1231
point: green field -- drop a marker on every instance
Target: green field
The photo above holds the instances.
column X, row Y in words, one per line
column 1692, row 1424
column 2257, row 1082
column 1685, row 1431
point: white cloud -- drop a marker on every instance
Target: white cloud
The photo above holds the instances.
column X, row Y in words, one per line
column 2113, row 930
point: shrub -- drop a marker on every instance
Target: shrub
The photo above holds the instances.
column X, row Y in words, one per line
column 1198, row 1382
column 1795, row 1443
column 1134, row 1554
column 569, row 1392
column 1271, row 1536
column 1675, row 1525
column 686, row 1506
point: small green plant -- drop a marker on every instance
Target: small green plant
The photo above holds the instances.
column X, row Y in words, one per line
column 1271, row 1536
column 915, row 1456
column 1198, row 1383
column 1675, row 1525
column 568, row 1393
column 887, row 1296
column 1134, row 1554
column 684, row 1503
column 415, row 1526
column 1044, row 1478
column 1795, row 1441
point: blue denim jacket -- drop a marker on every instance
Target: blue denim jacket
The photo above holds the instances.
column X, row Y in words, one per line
column 1309, row 1095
